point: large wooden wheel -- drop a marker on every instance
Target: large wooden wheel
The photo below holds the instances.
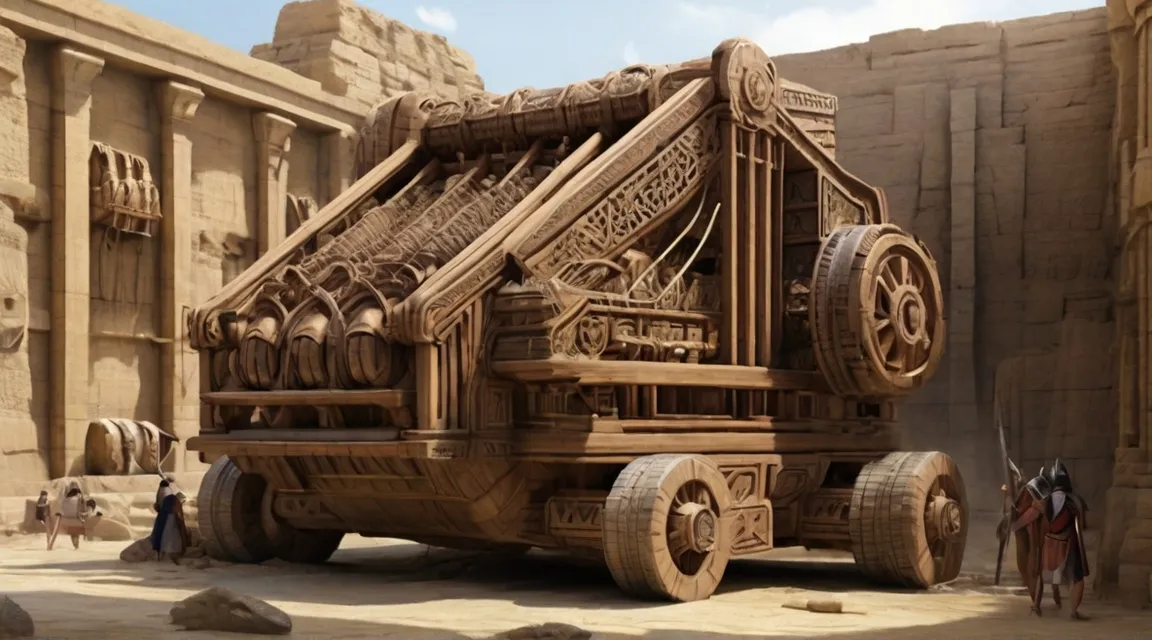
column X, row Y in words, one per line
column 237, row 525
column 877, row 312
column 665, row 528
column 909, row 519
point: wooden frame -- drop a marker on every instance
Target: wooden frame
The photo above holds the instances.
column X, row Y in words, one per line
column 543, row 310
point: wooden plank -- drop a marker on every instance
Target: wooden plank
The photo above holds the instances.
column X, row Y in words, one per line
column 674, row 374
column 531, row 444
column 302, row 435
column 387, row 398
column 701, row 423
column 312, row 448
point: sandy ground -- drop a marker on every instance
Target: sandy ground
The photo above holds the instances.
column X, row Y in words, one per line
column 394, row 589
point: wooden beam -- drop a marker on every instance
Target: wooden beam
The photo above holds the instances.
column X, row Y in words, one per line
column 672, row 374
column 387, row 398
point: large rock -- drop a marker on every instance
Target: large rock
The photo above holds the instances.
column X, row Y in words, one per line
column 221, row 609
column 14, row 621
column 139, row 551
column 356, row 52
column 546, row 631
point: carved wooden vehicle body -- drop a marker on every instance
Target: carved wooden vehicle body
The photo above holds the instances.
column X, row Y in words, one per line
column 646, row 317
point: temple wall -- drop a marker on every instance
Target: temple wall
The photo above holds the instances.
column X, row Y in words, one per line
column 992, row 142
column 205, row 120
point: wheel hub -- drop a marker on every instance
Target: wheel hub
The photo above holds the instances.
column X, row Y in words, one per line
column 699, row 527
column 910, row 315
column 945, row 518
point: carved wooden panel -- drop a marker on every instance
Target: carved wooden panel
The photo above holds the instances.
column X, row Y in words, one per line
column 801, row 207
column 839, row 209
column 745, row 483
column 574, row 516
column 751, row 529
column 124, row 196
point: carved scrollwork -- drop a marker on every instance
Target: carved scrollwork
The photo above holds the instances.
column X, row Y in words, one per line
column 591, row 335
column 660, row 187
column 746, row 77
column 123, row 194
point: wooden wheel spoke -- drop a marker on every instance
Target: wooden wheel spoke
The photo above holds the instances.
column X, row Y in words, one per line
column 905, row 270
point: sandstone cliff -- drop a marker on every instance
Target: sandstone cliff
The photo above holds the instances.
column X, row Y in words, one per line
column 992, row 143
column 356, row 52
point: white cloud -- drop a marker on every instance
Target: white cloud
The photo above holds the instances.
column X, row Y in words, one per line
column 811, row 28
column 631, row 56
column 437, row 18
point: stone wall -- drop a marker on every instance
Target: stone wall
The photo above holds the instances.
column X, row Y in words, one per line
column 95, row 327
column 992, row 144
column 356, row 52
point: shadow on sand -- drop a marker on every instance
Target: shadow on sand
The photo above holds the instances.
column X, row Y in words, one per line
column 62, row 615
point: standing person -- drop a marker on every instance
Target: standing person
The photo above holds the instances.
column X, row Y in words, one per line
column 170, row 533
column 1063, row 559
column 42, row 514
column 164, row 491
column 70, row 515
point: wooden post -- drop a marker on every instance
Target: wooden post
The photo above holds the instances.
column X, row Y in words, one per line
column 73, row 74
column 179, row 404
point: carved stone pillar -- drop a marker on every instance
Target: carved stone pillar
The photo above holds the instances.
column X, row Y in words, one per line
column 179, row 405
column 1125, row 561
column 73, row 73
column 273, row 139
column 339, row 151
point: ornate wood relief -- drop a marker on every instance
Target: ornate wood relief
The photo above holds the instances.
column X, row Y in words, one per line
column 575, row 516
column 123, row 194
column 839, row 209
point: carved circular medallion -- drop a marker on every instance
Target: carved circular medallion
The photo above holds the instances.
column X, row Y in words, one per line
column 591, row 335
column 758, row 88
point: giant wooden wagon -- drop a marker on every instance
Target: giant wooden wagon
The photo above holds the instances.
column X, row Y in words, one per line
column 646, row 317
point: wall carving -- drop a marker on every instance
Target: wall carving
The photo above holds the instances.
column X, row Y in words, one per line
column 124, row 197
column 13, row 280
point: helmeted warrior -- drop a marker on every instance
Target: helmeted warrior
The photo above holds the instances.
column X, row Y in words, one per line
column 1063, row 559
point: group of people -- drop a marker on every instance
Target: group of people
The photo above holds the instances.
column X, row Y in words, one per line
column 74, row 514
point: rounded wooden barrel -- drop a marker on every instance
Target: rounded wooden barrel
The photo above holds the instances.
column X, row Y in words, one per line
column 122, row 447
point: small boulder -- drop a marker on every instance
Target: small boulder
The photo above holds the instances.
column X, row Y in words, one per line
column 139, row 551
column 546, row 631
column 221, row 609
column 14, row 621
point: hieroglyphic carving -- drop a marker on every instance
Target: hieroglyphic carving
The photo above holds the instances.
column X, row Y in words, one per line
column 799, row 99
column 123, row 194
column 13, row 280
column 839, row 209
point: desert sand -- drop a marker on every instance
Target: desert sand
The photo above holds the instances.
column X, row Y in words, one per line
column 396, row 589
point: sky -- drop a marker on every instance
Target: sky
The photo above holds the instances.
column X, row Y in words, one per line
column 547, row 43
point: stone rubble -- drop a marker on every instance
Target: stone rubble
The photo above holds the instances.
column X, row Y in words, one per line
column 14, row 621
column 221, row 609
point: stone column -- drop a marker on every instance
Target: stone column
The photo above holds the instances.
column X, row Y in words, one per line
column 273, row 139
column 177, row 105
column 339, row 151
column 73, row 73
column 1125, row 561
column 962, row 416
